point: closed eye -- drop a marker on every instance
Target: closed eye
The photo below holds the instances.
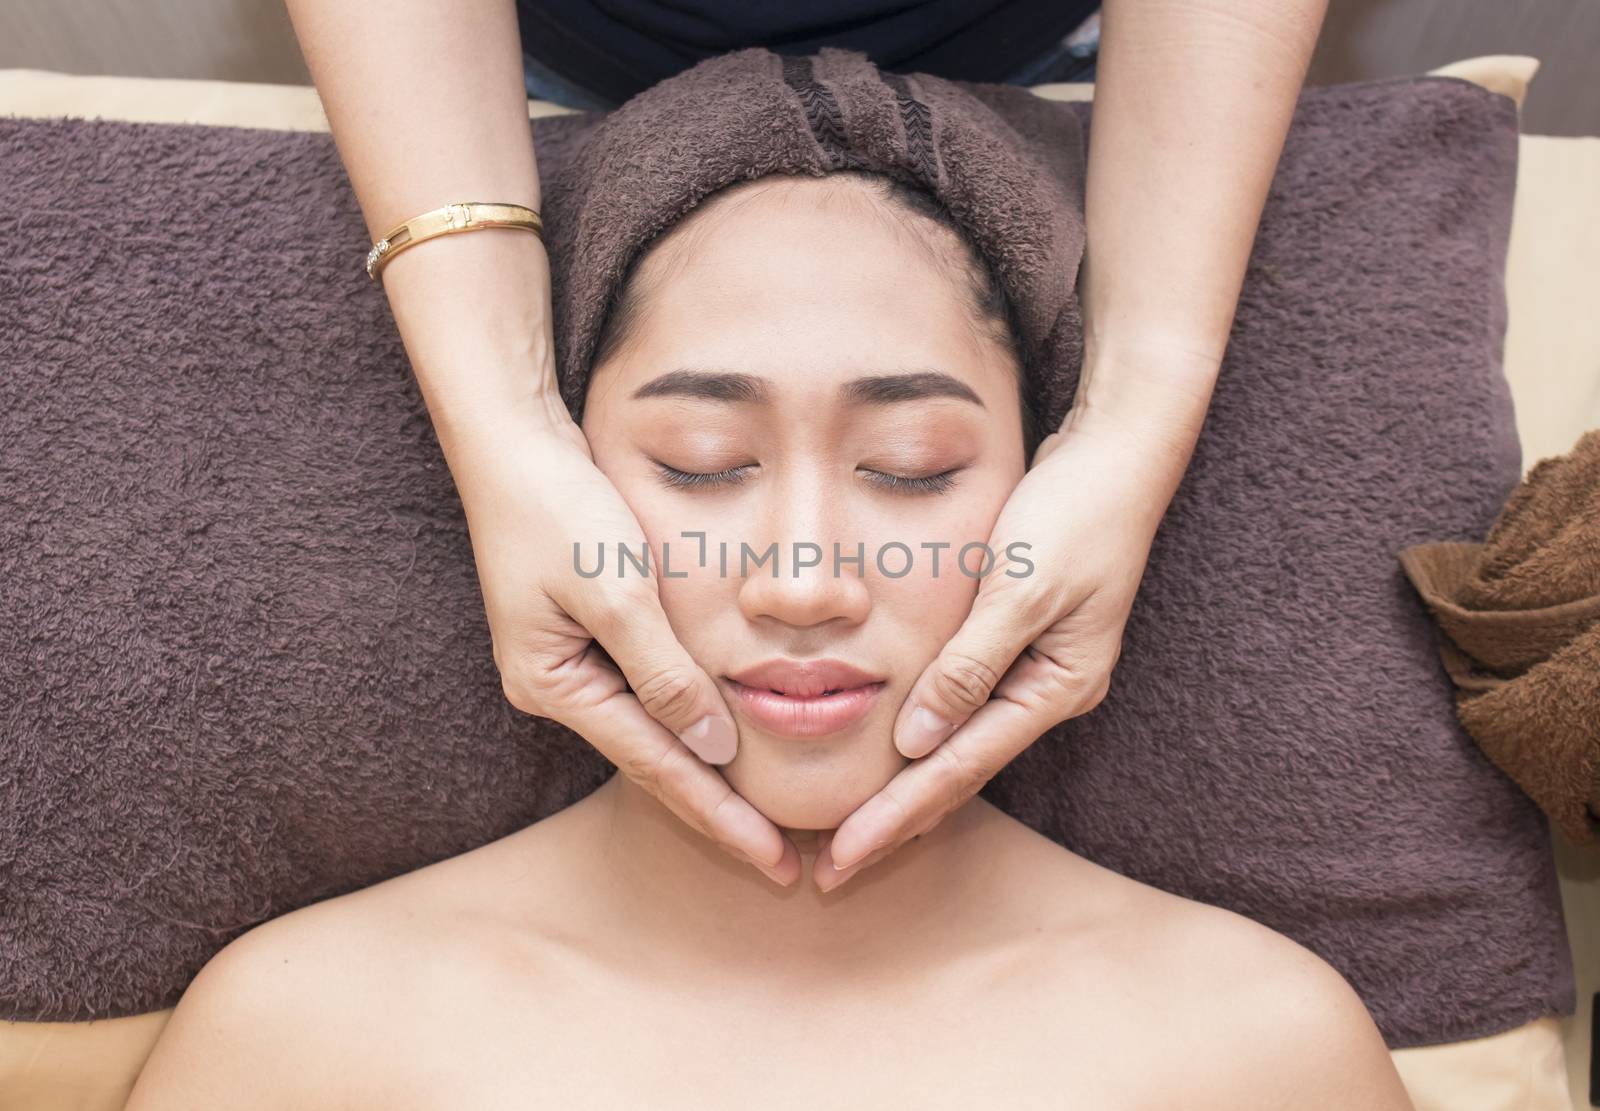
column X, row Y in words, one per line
column 696, row 480
column 923, row 484
column 733, row 476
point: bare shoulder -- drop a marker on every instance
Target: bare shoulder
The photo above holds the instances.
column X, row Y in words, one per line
column 315, row 1009
column 1267, row 1022
column 1289, row 1031
column 252, row 1029
column 1244, row 1016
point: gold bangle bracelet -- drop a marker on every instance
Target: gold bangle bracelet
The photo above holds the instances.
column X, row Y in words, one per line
column 465, row 216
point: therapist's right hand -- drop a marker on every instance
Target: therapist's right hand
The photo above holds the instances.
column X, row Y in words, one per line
column 531, row 491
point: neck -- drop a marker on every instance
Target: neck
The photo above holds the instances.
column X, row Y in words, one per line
column 655, row 869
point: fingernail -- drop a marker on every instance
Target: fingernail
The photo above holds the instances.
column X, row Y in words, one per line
column 851, row 862
column 713, row 738
column 924, row 730
column 750, row 828
column 864, row 845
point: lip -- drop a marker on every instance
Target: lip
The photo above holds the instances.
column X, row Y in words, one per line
column 790, row 697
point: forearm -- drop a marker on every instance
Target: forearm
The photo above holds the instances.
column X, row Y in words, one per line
column 427, row 106
column 1192, row 103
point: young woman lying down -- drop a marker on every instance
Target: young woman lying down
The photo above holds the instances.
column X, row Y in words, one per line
column 822, row 360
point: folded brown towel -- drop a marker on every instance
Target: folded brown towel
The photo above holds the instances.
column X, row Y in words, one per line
column 1520, row 614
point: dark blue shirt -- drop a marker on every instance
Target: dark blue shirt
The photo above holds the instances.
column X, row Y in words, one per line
column 617, row 48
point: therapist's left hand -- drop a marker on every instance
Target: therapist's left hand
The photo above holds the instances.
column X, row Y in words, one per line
column 1036, row 649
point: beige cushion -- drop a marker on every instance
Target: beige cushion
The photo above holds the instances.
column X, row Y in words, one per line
column 1552, row 361
column 74, row 1066
column 1521, row 1069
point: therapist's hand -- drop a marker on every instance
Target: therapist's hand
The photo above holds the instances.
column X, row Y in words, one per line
column 1035, row 650
column 531, row 491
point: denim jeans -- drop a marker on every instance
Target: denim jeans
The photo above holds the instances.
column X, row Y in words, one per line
column 1072, row 58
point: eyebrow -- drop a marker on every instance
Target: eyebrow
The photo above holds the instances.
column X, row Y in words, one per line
column 738, row 387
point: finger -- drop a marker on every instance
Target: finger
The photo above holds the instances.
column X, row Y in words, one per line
column 632, row 627
column 828, row 878
column 787, row 870
column 615, row 722
column 923, row 793
column 1004, row 620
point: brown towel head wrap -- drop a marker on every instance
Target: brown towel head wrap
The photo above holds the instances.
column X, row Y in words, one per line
column 1005, row 163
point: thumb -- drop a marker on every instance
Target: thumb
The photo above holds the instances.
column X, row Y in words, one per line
column 631, row 626
column 957, row 684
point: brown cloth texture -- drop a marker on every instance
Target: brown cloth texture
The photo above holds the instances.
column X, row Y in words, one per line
column 1008, row 164
column 1519, row 617
column 244, row 664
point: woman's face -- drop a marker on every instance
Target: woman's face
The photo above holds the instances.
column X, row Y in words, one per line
column 806, row 372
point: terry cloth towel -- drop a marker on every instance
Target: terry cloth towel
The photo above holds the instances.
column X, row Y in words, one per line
column 1009, row 165
column 245, row 663
column 1520, row 620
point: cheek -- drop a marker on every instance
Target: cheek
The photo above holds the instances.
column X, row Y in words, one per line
column 928, row 605
column 699, row 601
column 965, row 518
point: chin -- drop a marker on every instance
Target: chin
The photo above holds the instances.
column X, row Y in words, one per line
column 811, row 785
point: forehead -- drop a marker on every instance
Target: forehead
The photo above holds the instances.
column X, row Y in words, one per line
column 808, row 283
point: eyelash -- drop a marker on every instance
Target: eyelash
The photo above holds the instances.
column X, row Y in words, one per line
column 694, row 480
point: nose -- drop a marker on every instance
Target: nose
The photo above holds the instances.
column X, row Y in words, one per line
column 803, row 528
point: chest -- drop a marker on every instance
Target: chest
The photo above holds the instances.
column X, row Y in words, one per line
column 713, row 1047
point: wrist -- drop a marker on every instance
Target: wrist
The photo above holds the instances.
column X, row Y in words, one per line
column 1153, row 401
column 1148, row 384
column 473, row 311
column 485, row 422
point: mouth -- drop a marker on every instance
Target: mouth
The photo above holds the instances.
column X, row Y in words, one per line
column 805, row 699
